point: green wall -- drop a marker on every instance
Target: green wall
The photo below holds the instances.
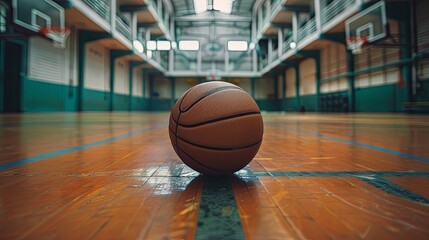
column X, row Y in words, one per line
column 288, row 104
column 94, row 100
column 309, row 102
column 120, row 102
column 376, row 99
column 267, row 105
column 156, row 104
column 40, row 96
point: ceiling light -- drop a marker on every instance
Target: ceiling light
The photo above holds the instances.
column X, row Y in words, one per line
column 189, row 45
column 223, row 6
column 138, row 46
column 237, row 46
column 163, row 45
column 151, row 45
column 149, row 54
column 292, row 45
column 200, row 6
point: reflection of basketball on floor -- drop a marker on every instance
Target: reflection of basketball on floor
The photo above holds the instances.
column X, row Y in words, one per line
column 216, row 128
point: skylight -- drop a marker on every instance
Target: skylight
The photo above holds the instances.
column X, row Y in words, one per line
column 189, row 45
column 223, row 6
column 237, row 46
column 200, row 6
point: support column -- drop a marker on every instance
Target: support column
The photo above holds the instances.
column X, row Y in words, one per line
column 113, row 10
column 351, row 81
column 226, row 60
column 85, row 37
column 114, row 54
column 173, row 90
column 317, row 15
column 295, row 27
column 255, row 60
column 199, row 60
column 270, row 50
column 252, row 88
column 280, row 42
column 132, row 66
column 297, row 93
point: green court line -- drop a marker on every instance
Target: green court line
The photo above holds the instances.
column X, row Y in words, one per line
column 394, row 189
column 218, row 216
column 376, row 179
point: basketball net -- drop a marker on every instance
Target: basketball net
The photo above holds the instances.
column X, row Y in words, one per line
column 355, row 44
column 57, row 34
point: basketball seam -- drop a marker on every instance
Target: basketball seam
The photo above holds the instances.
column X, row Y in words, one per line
column 216, row 149
column 206, row 95
column 214, row 120
column 199, row 163
column 178, row 118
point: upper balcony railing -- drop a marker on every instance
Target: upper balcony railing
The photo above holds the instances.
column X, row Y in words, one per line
column 286, row 44
column 275, row 5
column 123, row 26
column 334, row 8
column 101, row 7
column 308, row 28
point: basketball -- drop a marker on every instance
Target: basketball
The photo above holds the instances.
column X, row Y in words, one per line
column 216, row 128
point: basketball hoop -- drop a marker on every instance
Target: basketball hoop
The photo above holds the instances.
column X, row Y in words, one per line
column 355, row 43
column 57, row 34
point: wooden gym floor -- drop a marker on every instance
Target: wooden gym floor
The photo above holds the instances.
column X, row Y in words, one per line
column 116, row 176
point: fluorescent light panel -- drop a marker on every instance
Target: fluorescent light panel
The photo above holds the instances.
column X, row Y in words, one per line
column 149, row 54
column 151, row 45
column 237, row 46
column 223, row 6
column 163, row 45
column 138, row 46
column 189, row 45
column 200, row 6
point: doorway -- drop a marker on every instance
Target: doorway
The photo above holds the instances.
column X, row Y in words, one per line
column 12, row 77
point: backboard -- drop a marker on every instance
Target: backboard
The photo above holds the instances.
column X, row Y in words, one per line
column 34, row 15
column 370, row 23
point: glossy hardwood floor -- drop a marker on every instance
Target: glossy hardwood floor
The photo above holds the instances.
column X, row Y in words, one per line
column 116, row 176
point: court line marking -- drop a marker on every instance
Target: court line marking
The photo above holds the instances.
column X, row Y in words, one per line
column 375, row 179
column 359, row 144
column 17, row 163
column 218, row 216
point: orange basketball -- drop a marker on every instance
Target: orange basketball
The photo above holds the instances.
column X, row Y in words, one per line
column 216, row 128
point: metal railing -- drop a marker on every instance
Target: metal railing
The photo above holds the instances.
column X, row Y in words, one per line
column 286, row 44
column 275, row 5
column 101, row 7
column 123, row 27
column 334, row 8
column 308, row 28
column 275, row 54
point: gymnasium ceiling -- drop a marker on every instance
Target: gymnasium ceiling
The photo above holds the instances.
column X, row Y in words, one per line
column 212, row 28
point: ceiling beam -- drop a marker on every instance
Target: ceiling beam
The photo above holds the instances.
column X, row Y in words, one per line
column 281, row 25
column 133, row 8
column 213, row 17
column 147, row 25
column 296, row 8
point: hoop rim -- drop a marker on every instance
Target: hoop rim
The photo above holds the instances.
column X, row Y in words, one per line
column 54, row 29
column 353, row 39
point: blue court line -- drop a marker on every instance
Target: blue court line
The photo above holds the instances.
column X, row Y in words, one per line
column 376, row 179
column 24, row 161
column 364, row 145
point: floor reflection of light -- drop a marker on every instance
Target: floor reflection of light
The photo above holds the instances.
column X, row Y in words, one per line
column 168, row 185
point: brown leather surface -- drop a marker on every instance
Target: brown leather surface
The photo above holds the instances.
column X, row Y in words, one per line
column 218, row 105
column 198, row 167
column 230, row 133
column 201, row 90
column 232, row 160
column 220, row 126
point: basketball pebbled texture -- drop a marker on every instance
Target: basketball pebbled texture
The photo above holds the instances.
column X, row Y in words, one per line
column 216, row 128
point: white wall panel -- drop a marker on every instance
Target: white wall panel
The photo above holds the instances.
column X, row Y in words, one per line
column 290, row 82
column 307, row 77
column 47, row 63
column 137, row 82
column 97, row 68
column 122, row 85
